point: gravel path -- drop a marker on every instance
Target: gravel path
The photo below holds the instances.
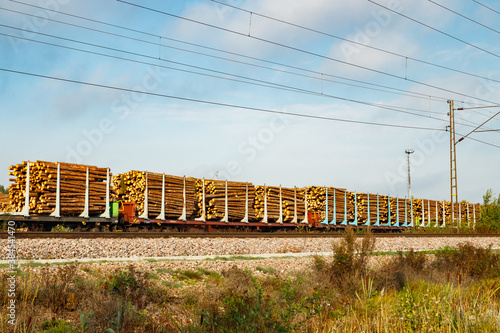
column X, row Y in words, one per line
column 168, row 247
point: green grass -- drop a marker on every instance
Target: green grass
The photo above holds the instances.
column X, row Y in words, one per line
column 267, row 270
column 173, row 284
column 459, row 291
column 234, row 258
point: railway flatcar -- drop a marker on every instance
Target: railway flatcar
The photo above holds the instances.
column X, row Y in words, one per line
column 44, row 194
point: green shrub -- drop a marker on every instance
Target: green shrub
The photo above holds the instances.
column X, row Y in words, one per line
column 244, row 303
column 121, row 281
column 349, row 256
column 490, row 212
column 57, row 326
column 470, row 260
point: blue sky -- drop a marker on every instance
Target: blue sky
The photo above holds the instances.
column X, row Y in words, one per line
column 262, row 64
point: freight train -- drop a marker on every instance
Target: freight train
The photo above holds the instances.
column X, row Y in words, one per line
column 44, row 194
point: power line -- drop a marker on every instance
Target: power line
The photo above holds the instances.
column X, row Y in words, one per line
column 401, row 91
column 465, row 17
column 294, row 89
column 271, row 110
column 426, row 96
column 221, row 104
column 258, row 59
column 437, row 30
column 301, row 50
column 284, row 87
column 493, row 10
column 479, row 126
column 480, row 141
column 357, row 43
column 273, row 85
column 234, row 105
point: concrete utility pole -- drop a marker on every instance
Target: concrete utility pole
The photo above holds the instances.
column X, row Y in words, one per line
column 409, row 151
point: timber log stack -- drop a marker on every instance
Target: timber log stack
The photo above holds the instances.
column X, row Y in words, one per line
column 131, row 187
column 215, row 199
column 161, row 196
column 4, row 202
column 272, row 197
column 43, row 187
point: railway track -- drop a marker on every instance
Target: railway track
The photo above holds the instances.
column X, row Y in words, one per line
column 75, row 235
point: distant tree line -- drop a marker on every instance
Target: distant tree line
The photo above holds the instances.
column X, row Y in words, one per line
column 4, row 190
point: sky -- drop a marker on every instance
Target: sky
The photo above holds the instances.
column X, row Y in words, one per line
column 291, row 93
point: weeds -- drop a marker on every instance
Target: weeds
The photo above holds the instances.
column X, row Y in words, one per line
column 348, row 266
column 452, row 290
column 61, row 228
column 470, row 260
column 266, row 270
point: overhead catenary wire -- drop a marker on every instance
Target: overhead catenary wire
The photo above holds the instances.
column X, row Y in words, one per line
column 254, row 58
column 465, row 17
column 481, row 4
column 403, row 92
column 403, row 56
column 303, row 51
column 395, row 90
column 372, row 104
column 270, row 85
column 399, row 109
column 465, row 136
column 480, row 141
column 435, row 29
column 236, row 106
column 256, row 109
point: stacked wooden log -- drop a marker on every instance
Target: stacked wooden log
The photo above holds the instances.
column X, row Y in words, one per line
column 131, row 187
column 43, row 187
column 357, row 202
column 352, row 205
column 402, row 210
column 340, row 195
column 238, row 205
column 288, row 197
column 351, row 208
column 384, row 208
column 174, row 196
column 4, row 203
column 185, row 192
column 417, row 208
column 198, row 190
column 432, row 211
column 366, row 203
column 446, row 206
column 316, row 200
column 215, row 199
column 373, row 208
column 271, row 196
column 464, row 213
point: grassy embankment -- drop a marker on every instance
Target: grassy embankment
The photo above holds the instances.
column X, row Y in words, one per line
column 451, row 290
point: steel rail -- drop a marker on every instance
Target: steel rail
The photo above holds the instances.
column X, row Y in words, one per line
column 73, row 235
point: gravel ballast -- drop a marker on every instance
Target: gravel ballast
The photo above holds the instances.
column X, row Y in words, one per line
column 53, row 248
